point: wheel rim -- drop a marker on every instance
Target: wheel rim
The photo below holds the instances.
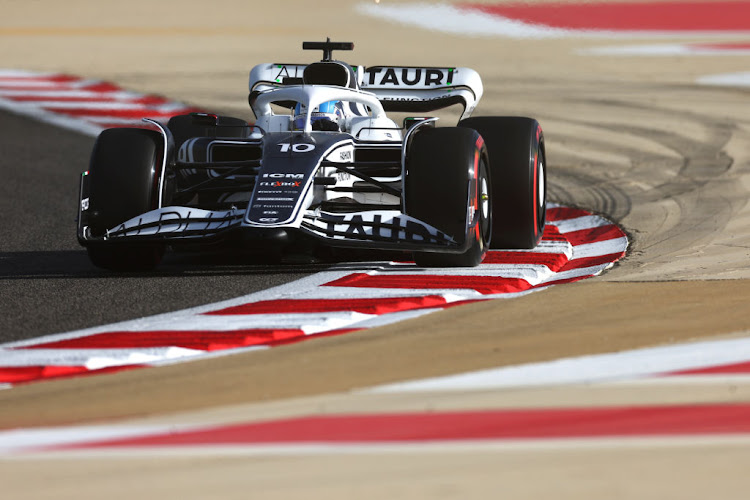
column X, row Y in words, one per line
column 541, row 193
column 484, row 203
column 484, row 196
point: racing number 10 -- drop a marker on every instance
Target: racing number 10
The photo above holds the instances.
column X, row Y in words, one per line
column 296, row 148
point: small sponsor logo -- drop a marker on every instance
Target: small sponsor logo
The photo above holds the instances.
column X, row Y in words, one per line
column 84, row 204
column 283, row 176
column 281, row 184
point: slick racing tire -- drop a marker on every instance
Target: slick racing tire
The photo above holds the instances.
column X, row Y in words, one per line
column 518, row 172
column 124, row 169
column 447, row 186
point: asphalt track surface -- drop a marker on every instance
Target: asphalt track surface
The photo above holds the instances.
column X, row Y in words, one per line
column 48, row 285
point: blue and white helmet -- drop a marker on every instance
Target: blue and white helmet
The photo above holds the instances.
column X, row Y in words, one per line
column 324, row 117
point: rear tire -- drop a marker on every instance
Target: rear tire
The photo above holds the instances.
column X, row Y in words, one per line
column 447, row 185
column 124, row 169
column 518, row 172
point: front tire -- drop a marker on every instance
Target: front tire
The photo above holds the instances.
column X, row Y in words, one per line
column 518, row 171
column 447, row 185
column 124, row 176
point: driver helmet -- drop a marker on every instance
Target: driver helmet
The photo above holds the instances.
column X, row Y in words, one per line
column 324, row 117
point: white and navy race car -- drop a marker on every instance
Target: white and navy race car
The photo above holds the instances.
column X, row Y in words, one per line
column 322, row 163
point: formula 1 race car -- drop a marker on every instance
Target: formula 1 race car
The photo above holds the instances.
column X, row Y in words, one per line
column 322, row 163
